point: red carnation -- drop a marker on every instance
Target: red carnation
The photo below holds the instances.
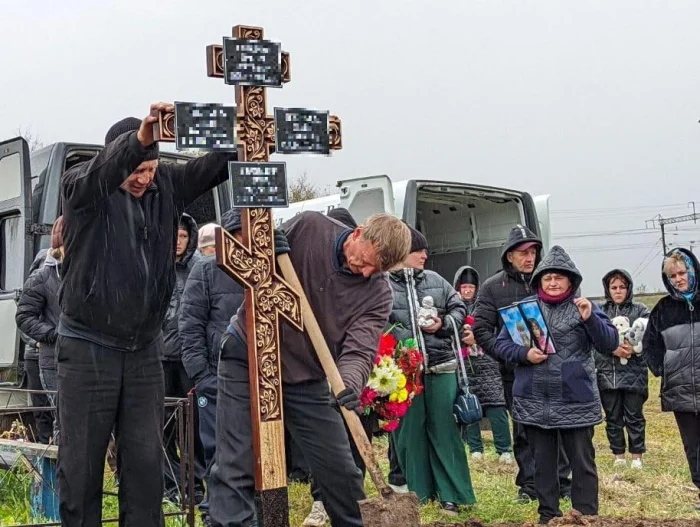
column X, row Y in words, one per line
column 470, row 320
column 367, row 397
column 387, row 345
column 391, row 425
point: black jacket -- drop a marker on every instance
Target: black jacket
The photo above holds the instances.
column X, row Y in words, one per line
column 119, row 269
column 502, row 289
column 613, row 375
column 171, row 337
column 671, row 346
column 38, row 310
column 439, row 347
column 560, row 392
column 483, row 371
column 31, row 352
column 209, row 300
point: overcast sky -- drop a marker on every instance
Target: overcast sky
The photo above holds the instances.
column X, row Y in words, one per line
column 594, row 102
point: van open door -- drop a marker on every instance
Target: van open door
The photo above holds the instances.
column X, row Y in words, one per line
column 542, row 208
column 365, row 196
column 15, row 240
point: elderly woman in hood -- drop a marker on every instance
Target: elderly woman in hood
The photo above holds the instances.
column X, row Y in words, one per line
column 484, row 377
column 622, row 376
column 555, row 395
column 671, row 349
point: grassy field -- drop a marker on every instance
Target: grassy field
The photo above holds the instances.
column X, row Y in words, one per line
column 661, row 490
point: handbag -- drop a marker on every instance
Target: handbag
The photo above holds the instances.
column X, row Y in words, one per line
column 466, row 408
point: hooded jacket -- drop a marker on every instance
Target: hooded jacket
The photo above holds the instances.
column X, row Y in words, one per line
column 671, row 345
column 612, row 374
column 119, row 269
column 560, row 392
column 31, row 352
column 209, row 300
column 440, row 346
column 38, row 310
column 171, row 338
column 483, row 371
column 502, row 289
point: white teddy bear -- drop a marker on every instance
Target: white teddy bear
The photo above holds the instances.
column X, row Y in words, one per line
column 426, row 312
column 635, row 334
column 622, row 324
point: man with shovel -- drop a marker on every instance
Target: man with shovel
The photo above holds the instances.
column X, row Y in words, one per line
column 341, row 273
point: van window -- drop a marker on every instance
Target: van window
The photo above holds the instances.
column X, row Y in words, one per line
column 10, row 177
column 11, row 240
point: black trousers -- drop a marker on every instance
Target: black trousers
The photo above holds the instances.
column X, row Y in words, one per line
column 178, row 384
column 43, row 421
column 525, row 479
column 297, row 468
column 396, row 476
column 205, row 392
column 578, row 444
column 624, row 409
column 315, row 426
column 689, row 427
column 101, row 389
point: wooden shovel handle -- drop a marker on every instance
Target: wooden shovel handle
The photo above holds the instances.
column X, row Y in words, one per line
column 331, row 371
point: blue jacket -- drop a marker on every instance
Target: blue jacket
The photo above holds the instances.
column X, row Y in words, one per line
column 562, row 391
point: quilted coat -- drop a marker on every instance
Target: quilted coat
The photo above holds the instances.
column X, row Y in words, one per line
column 612, row 374
column 560, row 392
column 413, row 283
column 671, row 346
column 483, row 372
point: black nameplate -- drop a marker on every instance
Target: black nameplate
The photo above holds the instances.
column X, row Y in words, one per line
column 258, row 184
column 252, row 62
column 208, row 126
column 301, row 131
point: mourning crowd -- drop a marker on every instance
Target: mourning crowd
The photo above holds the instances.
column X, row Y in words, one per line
column 129, row 307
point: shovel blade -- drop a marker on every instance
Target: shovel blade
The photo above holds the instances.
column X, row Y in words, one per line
column 395, row 510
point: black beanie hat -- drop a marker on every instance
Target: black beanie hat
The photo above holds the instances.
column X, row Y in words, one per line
column 343, row 216
column 130, row 124
column 418, row 241
column 231, row 220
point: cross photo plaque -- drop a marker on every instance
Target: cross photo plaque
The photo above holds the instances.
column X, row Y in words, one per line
column 208, row 126
column 258, row 184
column 249, row 62
column 301, row 131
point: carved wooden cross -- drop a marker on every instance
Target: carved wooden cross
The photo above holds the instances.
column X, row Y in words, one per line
column 252, row 263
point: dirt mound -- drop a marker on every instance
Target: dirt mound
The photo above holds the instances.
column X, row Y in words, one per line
column 575, row 518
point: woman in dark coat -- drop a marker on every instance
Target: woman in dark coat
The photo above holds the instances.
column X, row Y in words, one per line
column 623, row 386
column 484, row 377
column 671, row 349
column 555, row 396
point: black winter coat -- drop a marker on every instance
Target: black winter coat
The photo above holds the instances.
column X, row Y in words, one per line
column 560, row 392
column 119, row 268
column 612, row 374
column 440, row 346
column 38, row 310
column 483, row 372
column 31, row 352
column 171, row 336
column 209, row 300
column 671, row 346
column 501, row 290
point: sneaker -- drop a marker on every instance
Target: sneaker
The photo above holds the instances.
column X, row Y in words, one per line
column 523, row 498
column 317, row 517
column 449, row 508
column 399, row 489
column 636, row 463
column 477, row 456
column 506, row 458
column 620, row 461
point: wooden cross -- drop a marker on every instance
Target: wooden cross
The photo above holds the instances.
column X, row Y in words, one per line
column 251, row 262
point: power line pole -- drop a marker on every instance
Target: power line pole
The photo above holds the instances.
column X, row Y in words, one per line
column 662, row 222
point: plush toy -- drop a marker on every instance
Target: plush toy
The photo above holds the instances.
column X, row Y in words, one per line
column 622, row 324
column 635, row 334
column 426, row 312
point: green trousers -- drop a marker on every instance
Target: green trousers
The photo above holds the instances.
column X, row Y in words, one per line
column 429, row 446
column 498, row 416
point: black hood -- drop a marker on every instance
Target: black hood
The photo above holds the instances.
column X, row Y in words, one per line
column 556, row 260
column 519, row 234
column 696, row 267
column 630, row 284
column 466, row 269
column 194, row 235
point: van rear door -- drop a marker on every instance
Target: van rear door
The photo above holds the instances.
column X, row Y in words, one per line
column 365, row 196
column 15, row 239
column 542, row 208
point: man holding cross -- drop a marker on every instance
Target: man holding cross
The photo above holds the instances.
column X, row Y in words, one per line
column 341, row 272
column 121, row 214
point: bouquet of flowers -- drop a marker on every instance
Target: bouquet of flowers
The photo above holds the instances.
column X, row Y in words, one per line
column 394, row 381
